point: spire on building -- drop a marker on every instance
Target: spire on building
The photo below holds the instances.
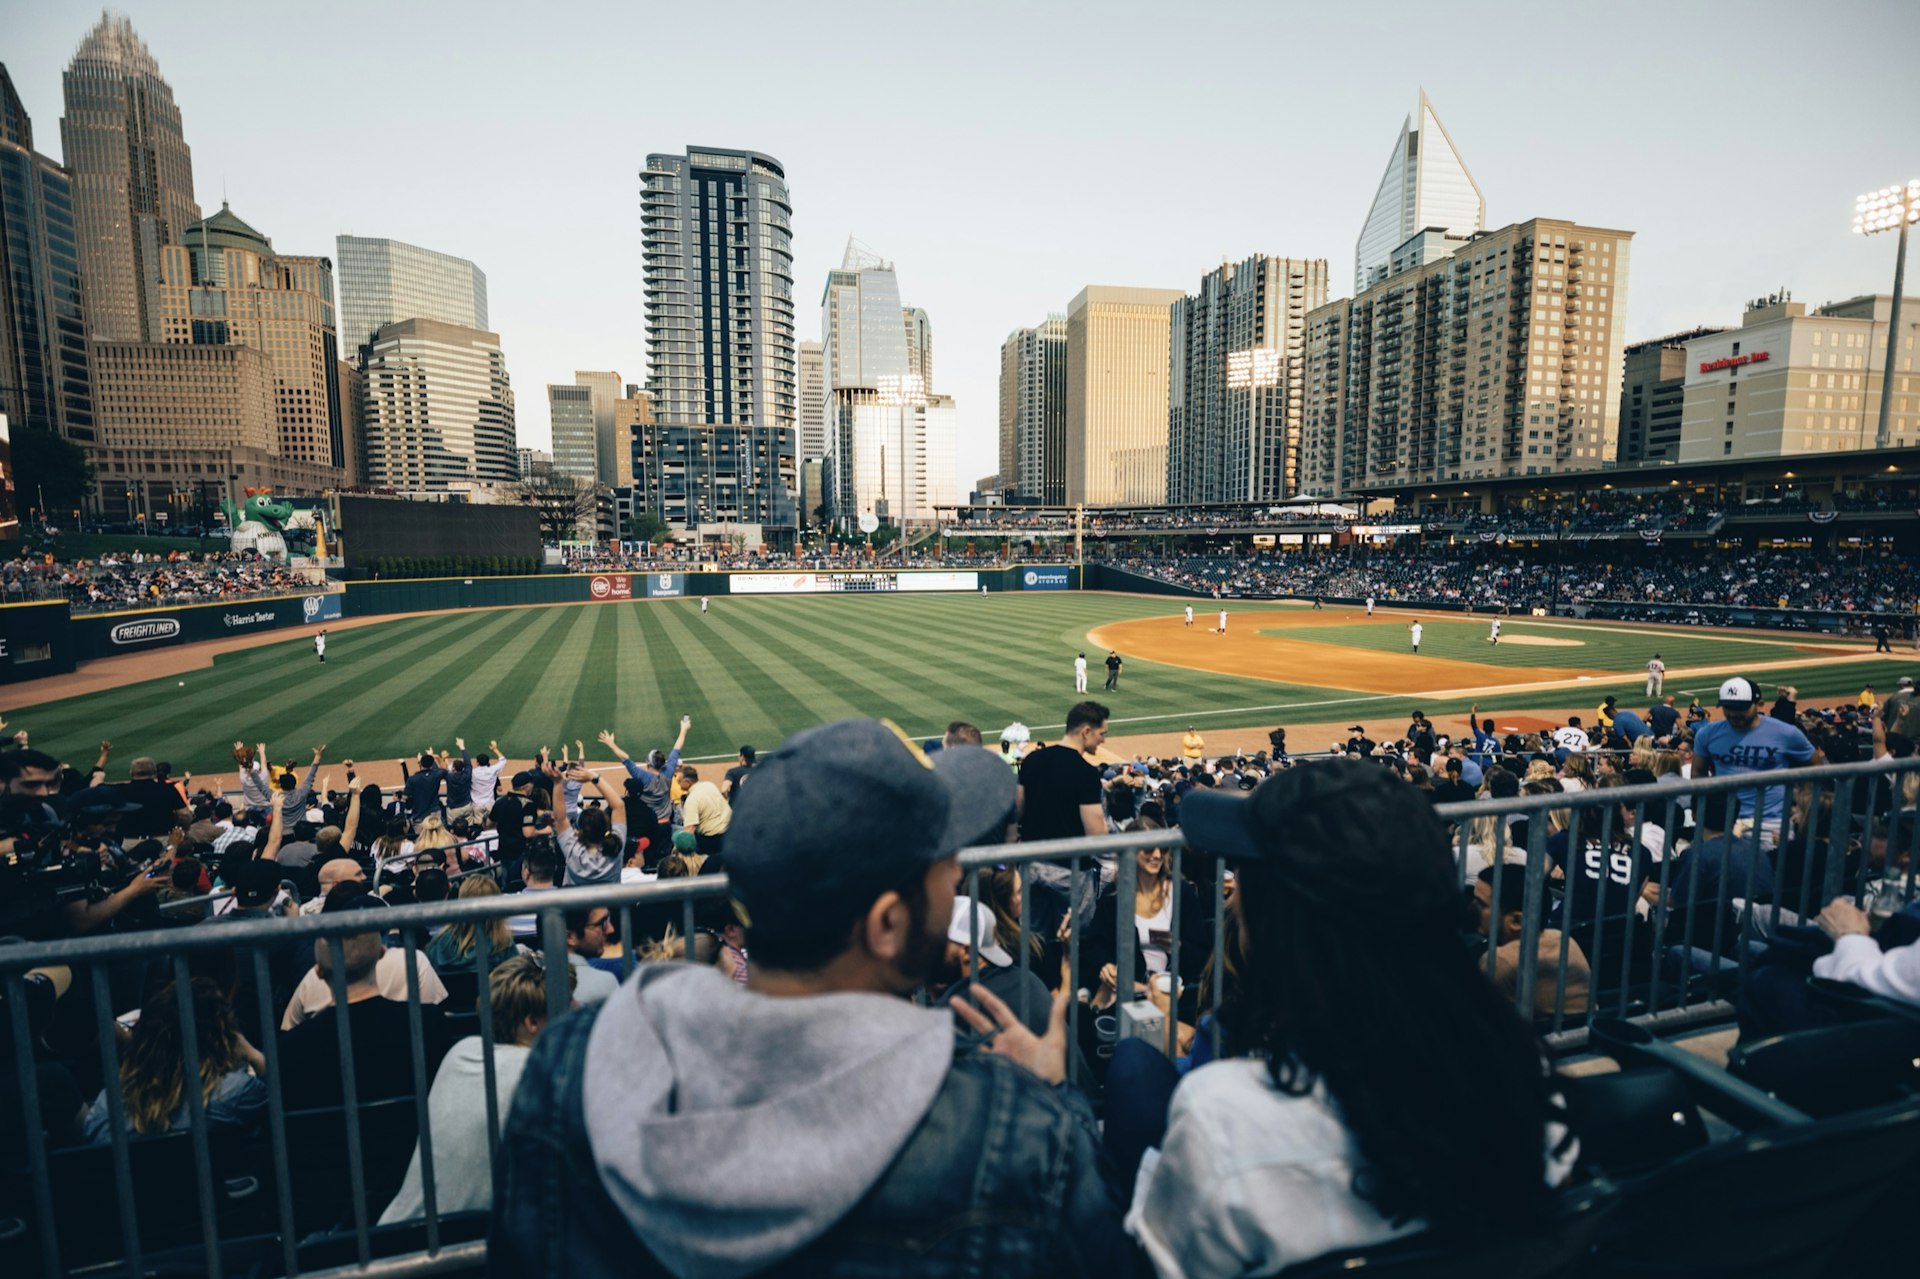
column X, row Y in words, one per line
column 1426, row 185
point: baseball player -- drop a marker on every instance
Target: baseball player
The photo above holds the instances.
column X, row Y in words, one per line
column 1417, row 630
column 1656, row 676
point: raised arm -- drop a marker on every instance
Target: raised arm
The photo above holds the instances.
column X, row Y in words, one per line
column 276, row 827
column 354, row 785
column 554, row 778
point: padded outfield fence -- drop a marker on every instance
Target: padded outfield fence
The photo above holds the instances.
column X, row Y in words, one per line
column 304, row 1196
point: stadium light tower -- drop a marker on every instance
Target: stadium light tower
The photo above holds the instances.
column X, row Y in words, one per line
column 1888, row 209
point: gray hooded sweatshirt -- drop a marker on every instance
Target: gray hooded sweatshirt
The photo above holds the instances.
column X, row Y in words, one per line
column 733, row 1129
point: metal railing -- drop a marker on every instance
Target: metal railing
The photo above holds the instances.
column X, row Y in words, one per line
column 1668, row 969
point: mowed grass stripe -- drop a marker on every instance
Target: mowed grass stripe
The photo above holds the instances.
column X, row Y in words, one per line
column 784, row 650
column 793, row 627
column 679, row 686
column 557, row 668
column 748, row 705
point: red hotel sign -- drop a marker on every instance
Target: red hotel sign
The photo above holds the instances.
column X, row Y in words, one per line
column 1733, row 362
column 611, row 586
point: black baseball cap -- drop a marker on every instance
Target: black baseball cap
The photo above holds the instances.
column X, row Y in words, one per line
column 256, row 884
column 845, row 811
column 100, row 801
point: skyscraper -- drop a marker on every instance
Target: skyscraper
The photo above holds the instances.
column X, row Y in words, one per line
column 1426, row 185
column 1501, row 358
column 718, row 242
column 1116, row 425
column 382, row 281
column 919, row 343
column 570, row 411
column 861, row 329
column 895, row 453
column 438, row 407
column 225, row 285
column 1033, row 413
column 606, row 394
column 132, row 178
column 46, row 370
column 1237, row 373
column 813, row 401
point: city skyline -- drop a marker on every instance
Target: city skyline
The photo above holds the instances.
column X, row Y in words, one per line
column 1649, row 134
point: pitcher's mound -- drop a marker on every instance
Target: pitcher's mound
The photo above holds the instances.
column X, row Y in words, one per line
column 1542, row 641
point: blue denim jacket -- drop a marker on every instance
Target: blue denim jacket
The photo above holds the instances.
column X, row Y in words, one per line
column 1004, row 1177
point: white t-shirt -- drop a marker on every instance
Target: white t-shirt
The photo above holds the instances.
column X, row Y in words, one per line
column 486, row 778
column 1160, row 921
column 315, row 993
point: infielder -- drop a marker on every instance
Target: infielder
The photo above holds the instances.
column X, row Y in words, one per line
column 1080, row 673
column 1656, row 676
column 1189, row 616
column 1369, row 606
column 1417, row 629
column 1494, row 636
column 1223, row 621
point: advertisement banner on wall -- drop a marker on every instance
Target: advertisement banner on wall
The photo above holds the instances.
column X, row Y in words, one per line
column 140, row 631
column 320, row 608
column 259, row 617
column 1046, row 579
column 611, row 586
column 770, row 584
column 666, row 585
column 848, row 583
column 939, row 581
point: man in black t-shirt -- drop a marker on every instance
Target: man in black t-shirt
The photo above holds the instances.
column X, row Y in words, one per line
column 382, row 1034
column 511, row 813
column 1113, row 670
column 730, row 785
column 1059, row 792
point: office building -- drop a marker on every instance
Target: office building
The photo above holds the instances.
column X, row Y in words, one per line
column 1237, row 381
column 1426, row 185
column 894, row 455
column 717, row 482
column 1116, row 423
column 181, row 426
column 530, row 460
column 570, row 413
column 864, row 343
column 1033, row 414
column 1501, row 358
column 632, row 410
column 812, row 418
column 438, row 407
column 919, row 343
column 606, row 388
column 46, row 370
column 382, row 281
column 716, row 227
column 225, row 285
column 132, row 178
column 1790, row 382
column 1652, row 389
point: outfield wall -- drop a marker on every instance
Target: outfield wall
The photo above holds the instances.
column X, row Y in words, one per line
column 95, row 635
column 35, row 640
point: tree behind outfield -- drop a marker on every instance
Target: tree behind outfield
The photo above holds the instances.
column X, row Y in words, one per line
column 563, row 502
column 48, row 467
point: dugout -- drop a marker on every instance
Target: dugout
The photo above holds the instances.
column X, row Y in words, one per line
column 457, row 536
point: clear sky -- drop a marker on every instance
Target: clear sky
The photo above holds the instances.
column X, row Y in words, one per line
column 1005, row 155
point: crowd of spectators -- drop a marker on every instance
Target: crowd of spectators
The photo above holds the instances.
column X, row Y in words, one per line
column 856, row 1075
column 1488, row 577
column 140, row 579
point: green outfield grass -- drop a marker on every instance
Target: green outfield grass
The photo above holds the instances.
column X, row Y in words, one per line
column 755, row 669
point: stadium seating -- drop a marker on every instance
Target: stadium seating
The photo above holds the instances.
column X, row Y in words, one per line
column 1835, row 1069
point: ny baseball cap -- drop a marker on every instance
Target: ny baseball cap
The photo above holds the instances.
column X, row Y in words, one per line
column 972, row 925
column 1739, row 691
column 846, row 811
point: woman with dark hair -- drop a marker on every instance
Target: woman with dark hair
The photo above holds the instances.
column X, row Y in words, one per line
column 1389, row 1086
column 153, row 1081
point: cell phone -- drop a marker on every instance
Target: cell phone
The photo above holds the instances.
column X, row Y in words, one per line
column 685, row 720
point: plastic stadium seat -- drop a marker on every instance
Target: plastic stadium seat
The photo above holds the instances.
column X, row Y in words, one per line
column 165, row 1199
column 1775, row 1204
column 321, row 1172
column 1563, row 1250
column 1632, row 1121
column 463, row 989
column 339, row 1248
column 1835, row 1069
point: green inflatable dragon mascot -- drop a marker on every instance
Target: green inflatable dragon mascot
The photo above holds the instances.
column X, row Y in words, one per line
column 257, row 525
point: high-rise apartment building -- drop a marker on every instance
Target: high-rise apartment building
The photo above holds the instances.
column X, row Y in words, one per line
column 1426, row 185
column 570, row 412
column 919, row 343
column 1237, row 388
column 895, row 454
column 438, row 407
column 1033, row 414
column 813, row 401
column 1502, row 358
column 1652, row 389
column 861, row 332
column 1790, row 382
column 708, row 480
column 718, row 242
column 224, row 285
column 1116, row 423
column 606, row 387
column 382, row 281
column 132, row 177
column 46, row 371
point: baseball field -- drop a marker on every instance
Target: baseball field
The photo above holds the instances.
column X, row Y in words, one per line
column 754, row 669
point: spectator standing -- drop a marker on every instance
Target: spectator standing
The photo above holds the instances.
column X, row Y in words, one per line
column 1662, row 718
column 1744, row 741
column 816, row 1122
column 737, row 775
column 296, row 794
column 595, row 849
column 704, row 811
column 460, row 783
column 656, row 788
column 1192, row 745
column 487, row 766
column 422, row 786
column 256, row 787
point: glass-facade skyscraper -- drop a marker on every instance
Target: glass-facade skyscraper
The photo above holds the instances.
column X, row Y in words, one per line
column 1426, row 185
column 46, row 372
column 717, row 231
column 132, row 178
column 862, row 324
column 382, row 281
